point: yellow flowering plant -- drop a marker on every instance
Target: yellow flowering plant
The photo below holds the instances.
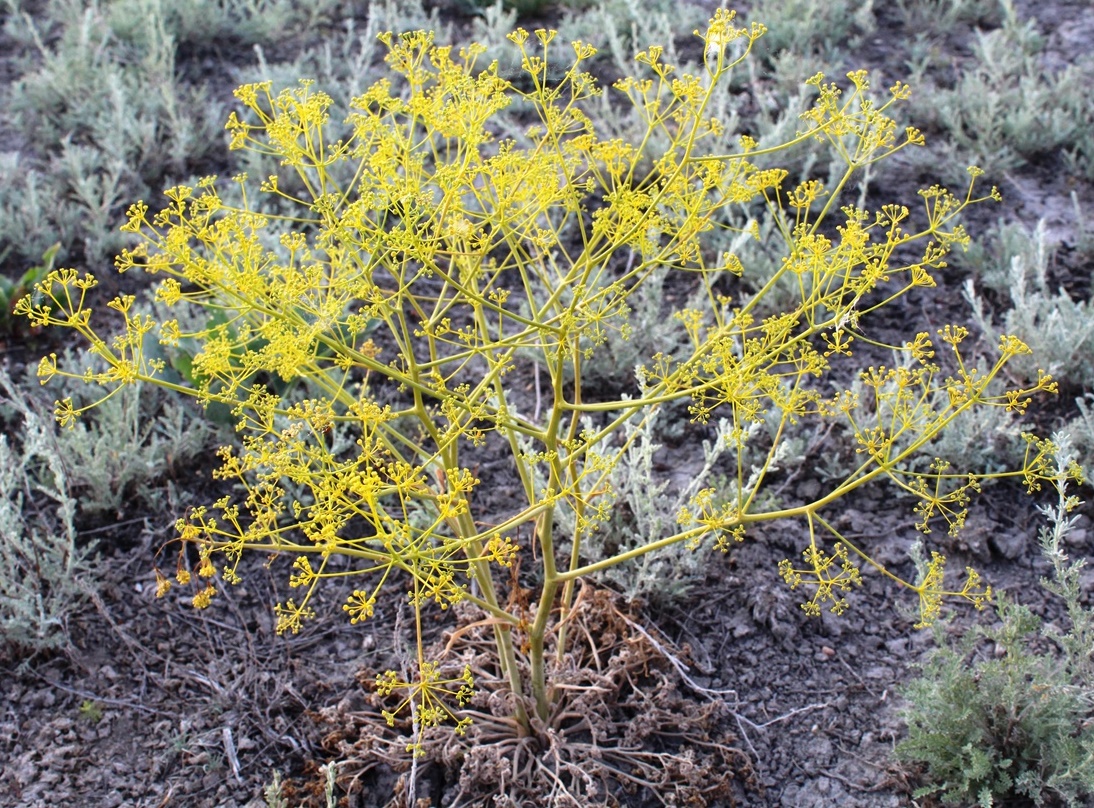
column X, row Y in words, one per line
column 428, row 258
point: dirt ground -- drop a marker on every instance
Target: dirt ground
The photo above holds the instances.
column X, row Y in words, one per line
column 732, row 691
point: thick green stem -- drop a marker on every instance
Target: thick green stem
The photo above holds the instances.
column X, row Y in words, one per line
column 538, row 632
column 579, row 511
column 503, row 636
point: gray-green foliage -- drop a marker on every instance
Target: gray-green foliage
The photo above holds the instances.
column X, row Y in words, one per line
column 644, row 491
column 109, row 110
column 941, row 16
column 349, row 57
column 633, row 507
column 88, row 87
column 621, row 28
column 203, row 24
column 1082, row 427
column 111, row 460
column 995, row 715
column 104, row 118
column 523, row 8
column 1078, row 642
column 347, row 60
column 33, row 213
column 119, row 455
column 990, row 257
column 650, row 332
column 810, row 29
column 987, row 439
column 1084, row 227
column 645, row 507
column 1058, row 329
column 1007, row 106
column 73, row 197
column 43, row 571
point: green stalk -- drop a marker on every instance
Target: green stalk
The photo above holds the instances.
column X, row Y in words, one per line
column 537, row 634
column 503, row 637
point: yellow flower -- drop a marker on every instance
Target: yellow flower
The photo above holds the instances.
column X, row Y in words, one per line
column 65, row 413
column 47, row 367
column 202, row 599
column 359, row 605
column 163, row 584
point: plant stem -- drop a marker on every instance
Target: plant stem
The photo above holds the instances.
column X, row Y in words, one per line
column 537, row 633
column 503, row 637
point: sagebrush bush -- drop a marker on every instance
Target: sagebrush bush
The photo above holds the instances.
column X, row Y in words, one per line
column 940, row 17
column 990, row 259
column 1059, row 329
column 44, row 571
column 1010, row 719
column 987, row 438
column 32, row 212
column 1082, row 427
column 1007, row 108
column 203, row 26
column 820, row 30
column 525, row 8
column 427, row 256
column 104, row 119
column 123, row 456
column 619, row 28
column 349, row 58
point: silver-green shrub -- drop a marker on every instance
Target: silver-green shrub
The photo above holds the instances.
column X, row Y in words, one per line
column 1009, row 107
column 808, row 28
column 203, row 23
column 101, row 119
column 43, row 571
column 1057, row 328
column 124, row 454
column 939, row 17
column 1014, row 722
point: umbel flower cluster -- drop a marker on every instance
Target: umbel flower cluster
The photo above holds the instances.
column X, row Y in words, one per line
column 426, row 258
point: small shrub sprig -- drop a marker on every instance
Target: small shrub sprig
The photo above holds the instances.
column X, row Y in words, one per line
column 1017, row 725
column 46, row 575
column 428, row 257
column 12, row 291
